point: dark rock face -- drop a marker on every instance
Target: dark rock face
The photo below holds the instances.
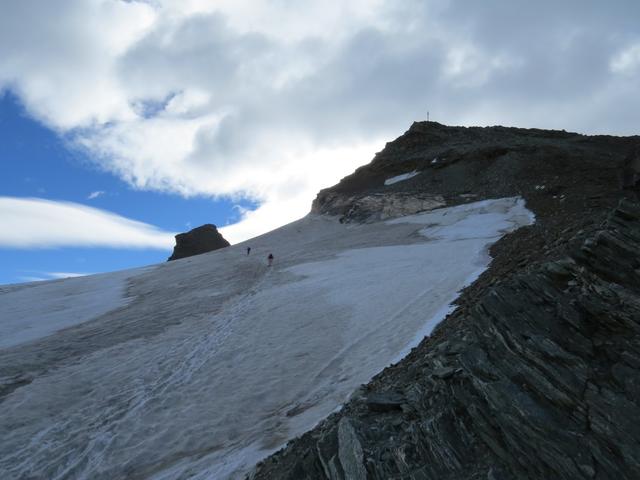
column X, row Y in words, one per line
column 458, row 165
column 203, row 239
column 536, row 375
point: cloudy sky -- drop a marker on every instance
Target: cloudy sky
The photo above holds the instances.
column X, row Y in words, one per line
column 123, row 122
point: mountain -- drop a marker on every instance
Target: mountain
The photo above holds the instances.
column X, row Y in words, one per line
column 204, row 366
column 535, row 374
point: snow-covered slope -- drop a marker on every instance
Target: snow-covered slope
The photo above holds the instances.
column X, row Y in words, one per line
column 202, row 366
column 42, row 308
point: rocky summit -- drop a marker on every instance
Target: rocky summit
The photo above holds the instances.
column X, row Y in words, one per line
column 536, row 373
column 202, row 239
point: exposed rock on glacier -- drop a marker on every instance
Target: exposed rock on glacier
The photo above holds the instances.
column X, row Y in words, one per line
column 202, row 239
column 380, row 206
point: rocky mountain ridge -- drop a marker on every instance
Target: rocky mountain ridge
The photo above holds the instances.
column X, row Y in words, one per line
column 535, row 375
column 461, row 164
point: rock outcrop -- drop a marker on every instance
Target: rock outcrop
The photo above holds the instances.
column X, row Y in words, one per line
column 203, row 239
column 381, row 206
column 536, row 374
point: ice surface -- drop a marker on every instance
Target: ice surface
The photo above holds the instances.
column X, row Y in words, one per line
column 400, row 178
column 219, row 360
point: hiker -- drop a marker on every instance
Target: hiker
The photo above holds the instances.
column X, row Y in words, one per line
column 270, row 259
column 248, row 251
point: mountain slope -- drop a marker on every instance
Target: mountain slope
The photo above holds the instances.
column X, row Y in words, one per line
column 535, row 375
column 199, row 367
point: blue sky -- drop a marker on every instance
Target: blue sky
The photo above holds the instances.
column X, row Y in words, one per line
column 181, row 108
column 36, row 162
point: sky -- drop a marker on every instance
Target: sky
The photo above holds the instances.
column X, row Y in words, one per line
column 123, row 123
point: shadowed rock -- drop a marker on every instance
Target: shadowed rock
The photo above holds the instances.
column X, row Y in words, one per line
column 385, row 402
column 203, row 239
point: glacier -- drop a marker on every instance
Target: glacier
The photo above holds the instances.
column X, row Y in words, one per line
column 200, row 367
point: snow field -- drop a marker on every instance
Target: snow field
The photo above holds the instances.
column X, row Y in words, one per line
column 219, row 360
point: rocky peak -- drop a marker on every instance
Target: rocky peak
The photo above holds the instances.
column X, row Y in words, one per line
column 202, row 239
column 461, row 164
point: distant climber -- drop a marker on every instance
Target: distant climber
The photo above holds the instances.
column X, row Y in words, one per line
column 270, row 259
column 248, row 250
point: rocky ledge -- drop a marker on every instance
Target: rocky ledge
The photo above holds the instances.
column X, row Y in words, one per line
column 536, row 374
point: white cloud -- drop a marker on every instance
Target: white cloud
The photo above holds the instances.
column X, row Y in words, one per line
column 39, row 223
column 61, row 57
column 296, row 190
column 96, row 194
column 259, row 98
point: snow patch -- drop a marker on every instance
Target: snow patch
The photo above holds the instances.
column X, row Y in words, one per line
column 484, row 219
column 400, row 178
